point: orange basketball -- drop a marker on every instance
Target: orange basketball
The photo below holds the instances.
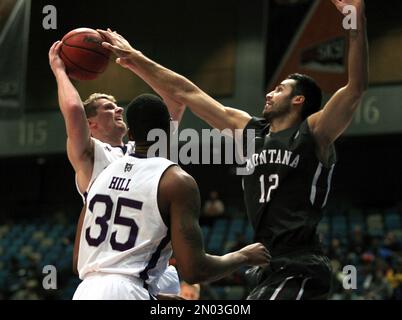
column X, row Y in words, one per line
column 83, row 54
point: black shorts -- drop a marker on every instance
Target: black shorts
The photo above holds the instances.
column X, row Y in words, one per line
column 301, row 277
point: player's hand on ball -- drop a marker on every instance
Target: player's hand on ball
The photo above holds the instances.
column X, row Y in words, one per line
column 118, row 45
column 54, row 59
column 256, row 254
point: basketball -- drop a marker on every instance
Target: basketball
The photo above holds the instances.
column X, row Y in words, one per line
column 83, row 54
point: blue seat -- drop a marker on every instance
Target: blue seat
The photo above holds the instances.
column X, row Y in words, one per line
column 339, row 227
column 324, row 233
column 375, row 225
column 215, row 243
column 249, row 233
column 392, row 221
column 205, row 232
column 324, row 226
column 220, row 291
column 217, row 234
column 220, row 224
column 235, row 228
column 356, row 220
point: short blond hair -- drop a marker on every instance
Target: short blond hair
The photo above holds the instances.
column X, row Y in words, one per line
column 90, row 106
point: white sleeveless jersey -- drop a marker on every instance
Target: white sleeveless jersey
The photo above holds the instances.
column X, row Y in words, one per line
column 105, row 154
column 123, row 231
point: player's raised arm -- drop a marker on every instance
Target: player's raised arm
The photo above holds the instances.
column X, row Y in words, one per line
column 79, row 142
column 180, row 196
column 328, row 124
column 168, row 83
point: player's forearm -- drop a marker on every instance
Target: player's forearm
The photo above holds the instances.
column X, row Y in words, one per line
column 176, row 109
column 177, row 113
column 213, row 268
column 162, row 80
column 358, row 57
column 74, row 115
column 178, row 88
column 69, row 99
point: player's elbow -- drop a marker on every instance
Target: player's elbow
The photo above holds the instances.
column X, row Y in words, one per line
column 73, row 112
column 360, row 90
column 193, row 277
column 192, row 273
column 357, row 90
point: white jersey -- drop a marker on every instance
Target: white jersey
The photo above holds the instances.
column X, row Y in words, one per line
column 105, row 154
column 123, row 231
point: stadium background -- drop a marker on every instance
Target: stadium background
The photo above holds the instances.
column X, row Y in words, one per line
column 235, row 50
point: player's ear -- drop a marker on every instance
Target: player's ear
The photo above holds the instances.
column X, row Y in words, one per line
column 92, row 124
column 298, row 100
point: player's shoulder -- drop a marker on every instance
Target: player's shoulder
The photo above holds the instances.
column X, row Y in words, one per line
column 175, row 173
column 304, row 131
column 102, row 146
column 176, row 179
column 257, row 123
column 151, row 163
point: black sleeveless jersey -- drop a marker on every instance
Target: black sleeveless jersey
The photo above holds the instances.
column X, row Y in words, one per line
column 286, row 187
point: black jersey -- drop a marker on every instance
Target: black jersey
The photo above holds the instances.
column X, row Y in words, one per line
column 287, row 187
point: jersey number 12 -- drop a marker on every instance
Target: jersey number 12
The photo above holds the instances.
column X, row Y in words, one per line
column 273, row 184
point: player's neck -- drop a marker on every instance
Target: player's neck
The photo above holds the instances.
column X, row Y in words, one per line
column 142, row 150
column 113, row 141
column 283, row 123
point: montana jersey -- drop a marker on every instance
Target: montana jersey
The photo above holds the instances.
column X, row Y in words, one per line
column 123, row 231
column 286, row 188
column 105, row 154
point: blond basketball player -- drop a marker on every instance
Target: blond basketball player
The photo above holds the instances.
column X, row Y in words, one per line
column 95, row 131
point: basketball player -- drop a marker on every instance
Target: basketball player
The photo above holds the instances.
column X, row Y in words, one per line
column 95, row 131
column 290, row 172
column 140, row 208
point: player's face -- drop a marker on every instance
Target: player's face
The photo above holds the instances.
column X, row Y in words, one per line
column 278, row 101
column 109, row 117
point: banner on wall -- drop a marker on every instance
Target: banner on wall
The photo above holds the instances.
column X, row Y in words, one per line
column 319, row 49
column 14, row 29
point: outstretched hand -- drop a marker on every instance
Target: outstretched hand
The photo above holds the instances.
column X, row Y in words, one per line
column 341, row 4
column 54, row 59
column 118, row 45
column 256, row 254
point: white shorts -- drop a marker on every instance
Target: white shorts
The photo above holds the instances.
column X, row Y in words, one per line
column 111, row 287
column 169, row 281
